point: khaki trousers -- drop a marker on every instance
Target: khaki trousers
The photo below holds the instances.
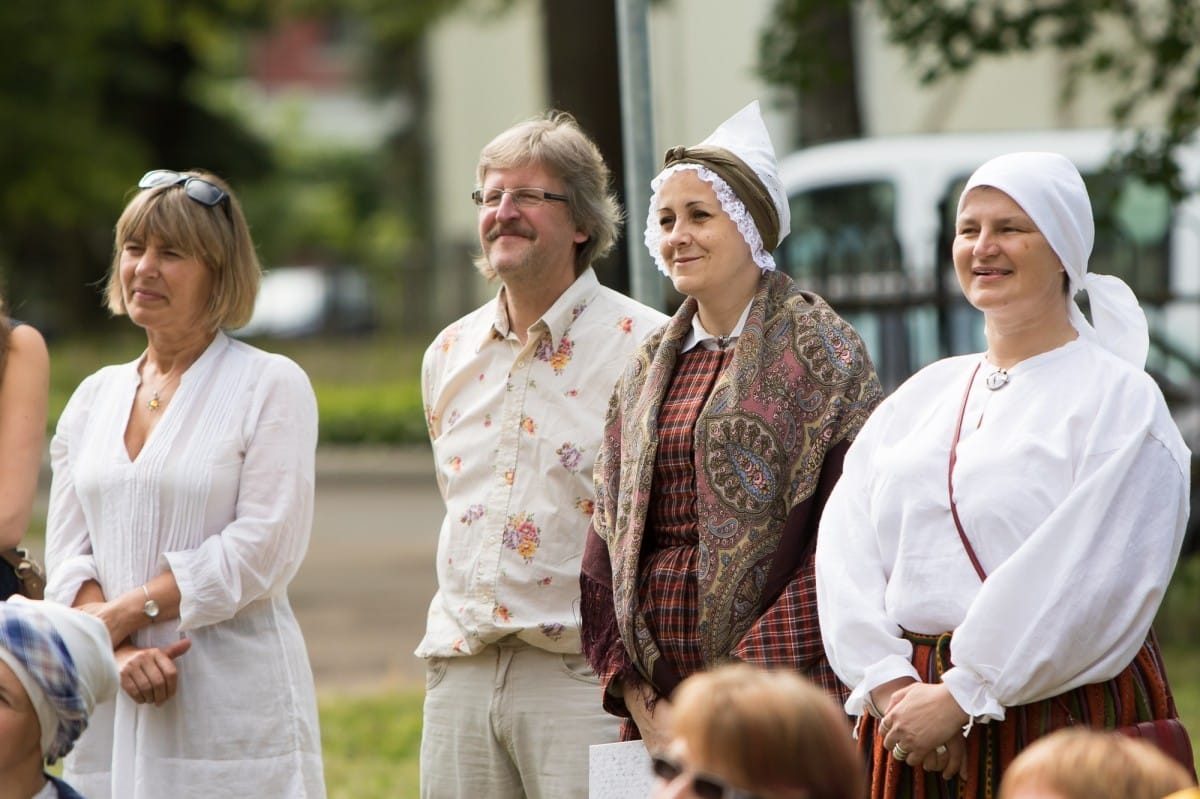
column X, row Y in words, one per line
column 512, row 722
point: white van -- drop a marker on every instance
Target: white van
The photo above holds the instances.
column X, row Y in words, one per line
column 873, row 220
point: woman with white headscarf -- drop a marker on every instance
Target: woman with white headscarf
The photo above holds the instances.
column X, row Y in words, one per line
column 725, row 434
column 991, row 561
column 56, row 663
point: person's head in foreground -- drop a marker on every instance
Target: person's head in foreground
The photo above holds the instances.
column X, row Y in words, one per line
column 741, row 732
column 1082, row 763
column 56, row 664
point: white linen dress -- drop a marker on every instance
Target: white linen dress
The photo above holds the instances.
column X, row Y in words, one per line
column 1071, row 483
column 222, row 495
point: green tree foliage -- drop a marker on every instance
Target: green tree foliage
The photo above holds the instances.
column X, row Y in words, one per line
column 1143, row 50
column 390, row 193
column 93, row 93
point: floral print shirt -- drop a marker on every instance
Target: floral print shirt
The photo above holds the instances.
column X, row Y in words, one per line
column 515, row 429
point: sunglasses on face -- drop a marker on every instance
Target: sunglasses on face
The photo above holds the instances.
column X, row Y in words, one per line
column 706, row 786
column 198, row 189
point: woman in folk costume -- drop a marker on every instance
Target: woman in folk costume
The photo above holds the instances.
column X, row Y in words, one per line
column 724, row 437
column 1007, row 522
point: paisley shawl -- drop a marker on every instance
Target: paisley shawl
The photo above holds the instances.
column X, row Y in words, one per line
column 799, row 382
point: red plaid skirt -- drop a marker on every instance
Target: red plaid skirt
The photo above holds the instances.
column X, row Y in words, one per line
column 1139, row 693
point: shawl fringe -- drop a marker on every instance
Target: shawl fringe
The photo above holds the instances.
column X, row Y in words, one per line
column 602, row 645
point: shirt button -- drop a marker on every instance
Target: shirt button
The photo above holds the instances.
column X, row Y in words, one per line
column 520, row 364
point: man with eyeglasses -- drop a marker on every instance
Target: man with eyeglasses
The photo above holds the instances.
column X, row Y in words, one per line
column 515, row 396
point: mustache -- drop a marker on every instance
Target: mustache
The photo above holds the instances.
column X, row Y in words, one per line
column 509, row 230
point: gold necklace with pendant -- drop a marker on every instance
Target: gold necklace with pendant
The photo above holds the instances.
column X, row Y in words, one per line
column 154, row 403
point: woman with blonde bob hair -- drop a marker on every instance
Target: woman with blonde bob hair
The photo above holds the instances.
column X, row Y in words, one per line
column 1083, row 763
column 180, row 510
column 220, row 239
column 742, row 732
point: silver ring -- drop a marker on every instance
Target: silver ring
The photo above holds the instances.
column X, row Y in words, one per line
column 941, row 749
column 899, row 752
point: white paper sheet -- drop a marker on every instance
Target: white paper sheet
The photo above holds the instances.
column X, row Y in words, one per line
column 619, row 771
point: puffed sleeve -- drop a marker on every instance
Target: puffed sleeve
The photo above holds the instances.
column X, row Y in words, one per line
column 1074, row 603
column 863, row 644
column 258, row 553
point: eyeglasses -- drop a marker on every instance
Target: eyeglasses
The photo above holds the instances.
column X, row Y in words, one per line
column 522, row 198
column 202, row 191
column 706, row 786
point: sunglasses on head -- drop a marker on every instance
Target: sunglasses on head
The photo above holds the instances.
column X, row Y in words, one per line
column 202, row 191
column 706, row 786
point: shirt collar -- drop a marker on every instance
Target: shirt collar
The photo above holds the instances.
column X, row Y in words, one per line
column 699, row 337
column 557, row 318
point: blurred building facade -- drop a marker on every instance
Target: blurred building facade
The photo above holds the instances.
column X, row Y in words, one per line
column 488, row 72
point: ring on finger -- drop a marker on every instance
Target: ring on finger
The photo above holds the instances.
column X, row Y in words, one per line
column 899, row 752
column 941, row 749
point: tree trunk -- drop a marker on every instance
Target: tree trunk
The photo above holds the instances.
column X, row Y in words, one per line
column 584, row 79
column 827, row 108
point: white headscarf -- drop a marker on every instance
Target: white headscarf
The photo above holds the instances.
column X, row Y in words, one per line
column 64, row 660
column 1050, row 190
column 745, row 135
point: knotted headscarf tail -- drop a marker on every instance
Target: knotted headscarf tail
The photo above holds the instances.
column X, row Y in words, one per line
column 64, row 660
column 1051, row 191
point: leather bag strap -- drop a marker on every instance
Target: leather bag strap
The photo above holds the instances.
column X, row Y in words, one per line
column 966, row 542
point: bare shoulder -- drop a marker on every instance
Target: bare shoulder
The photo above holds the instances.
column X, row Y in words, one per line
column 27, row 349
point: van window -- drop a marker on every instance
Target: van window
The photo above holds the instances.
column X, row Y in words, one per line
column 1133, row 220
column 841, row 234
column 844, row 247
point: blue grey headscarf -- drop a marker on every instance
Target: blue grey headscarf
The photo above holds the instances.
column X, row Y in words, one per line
column 64, row 660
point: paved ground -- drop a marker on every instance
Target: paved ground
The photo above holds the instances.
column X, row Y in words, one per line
column 362, row 593
column 363, row 590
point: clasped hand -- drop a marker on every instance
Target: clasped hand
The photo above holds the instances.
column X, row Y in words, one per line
column 652, row 716
column 926, row 722
column 149, row 675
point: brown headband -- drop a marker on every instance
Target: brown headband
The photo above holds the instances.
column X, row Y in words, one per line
column 742, row 179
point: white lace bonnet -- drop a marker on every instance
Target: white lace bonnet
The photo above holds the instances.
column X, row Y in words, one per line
column 758, row 205
column 1050, row 189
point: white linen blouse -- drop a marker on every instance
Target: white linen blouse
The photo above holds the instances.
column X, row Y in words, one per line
column 1072, row 485
column 222, row 495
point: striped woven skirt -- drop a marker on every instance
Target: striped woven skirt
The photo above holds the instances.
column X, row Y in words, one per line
column 1139, row 693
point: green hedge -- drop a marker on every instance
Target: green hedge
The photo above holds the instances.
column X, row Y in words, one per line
column 371, row 414
column 1179, row 616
